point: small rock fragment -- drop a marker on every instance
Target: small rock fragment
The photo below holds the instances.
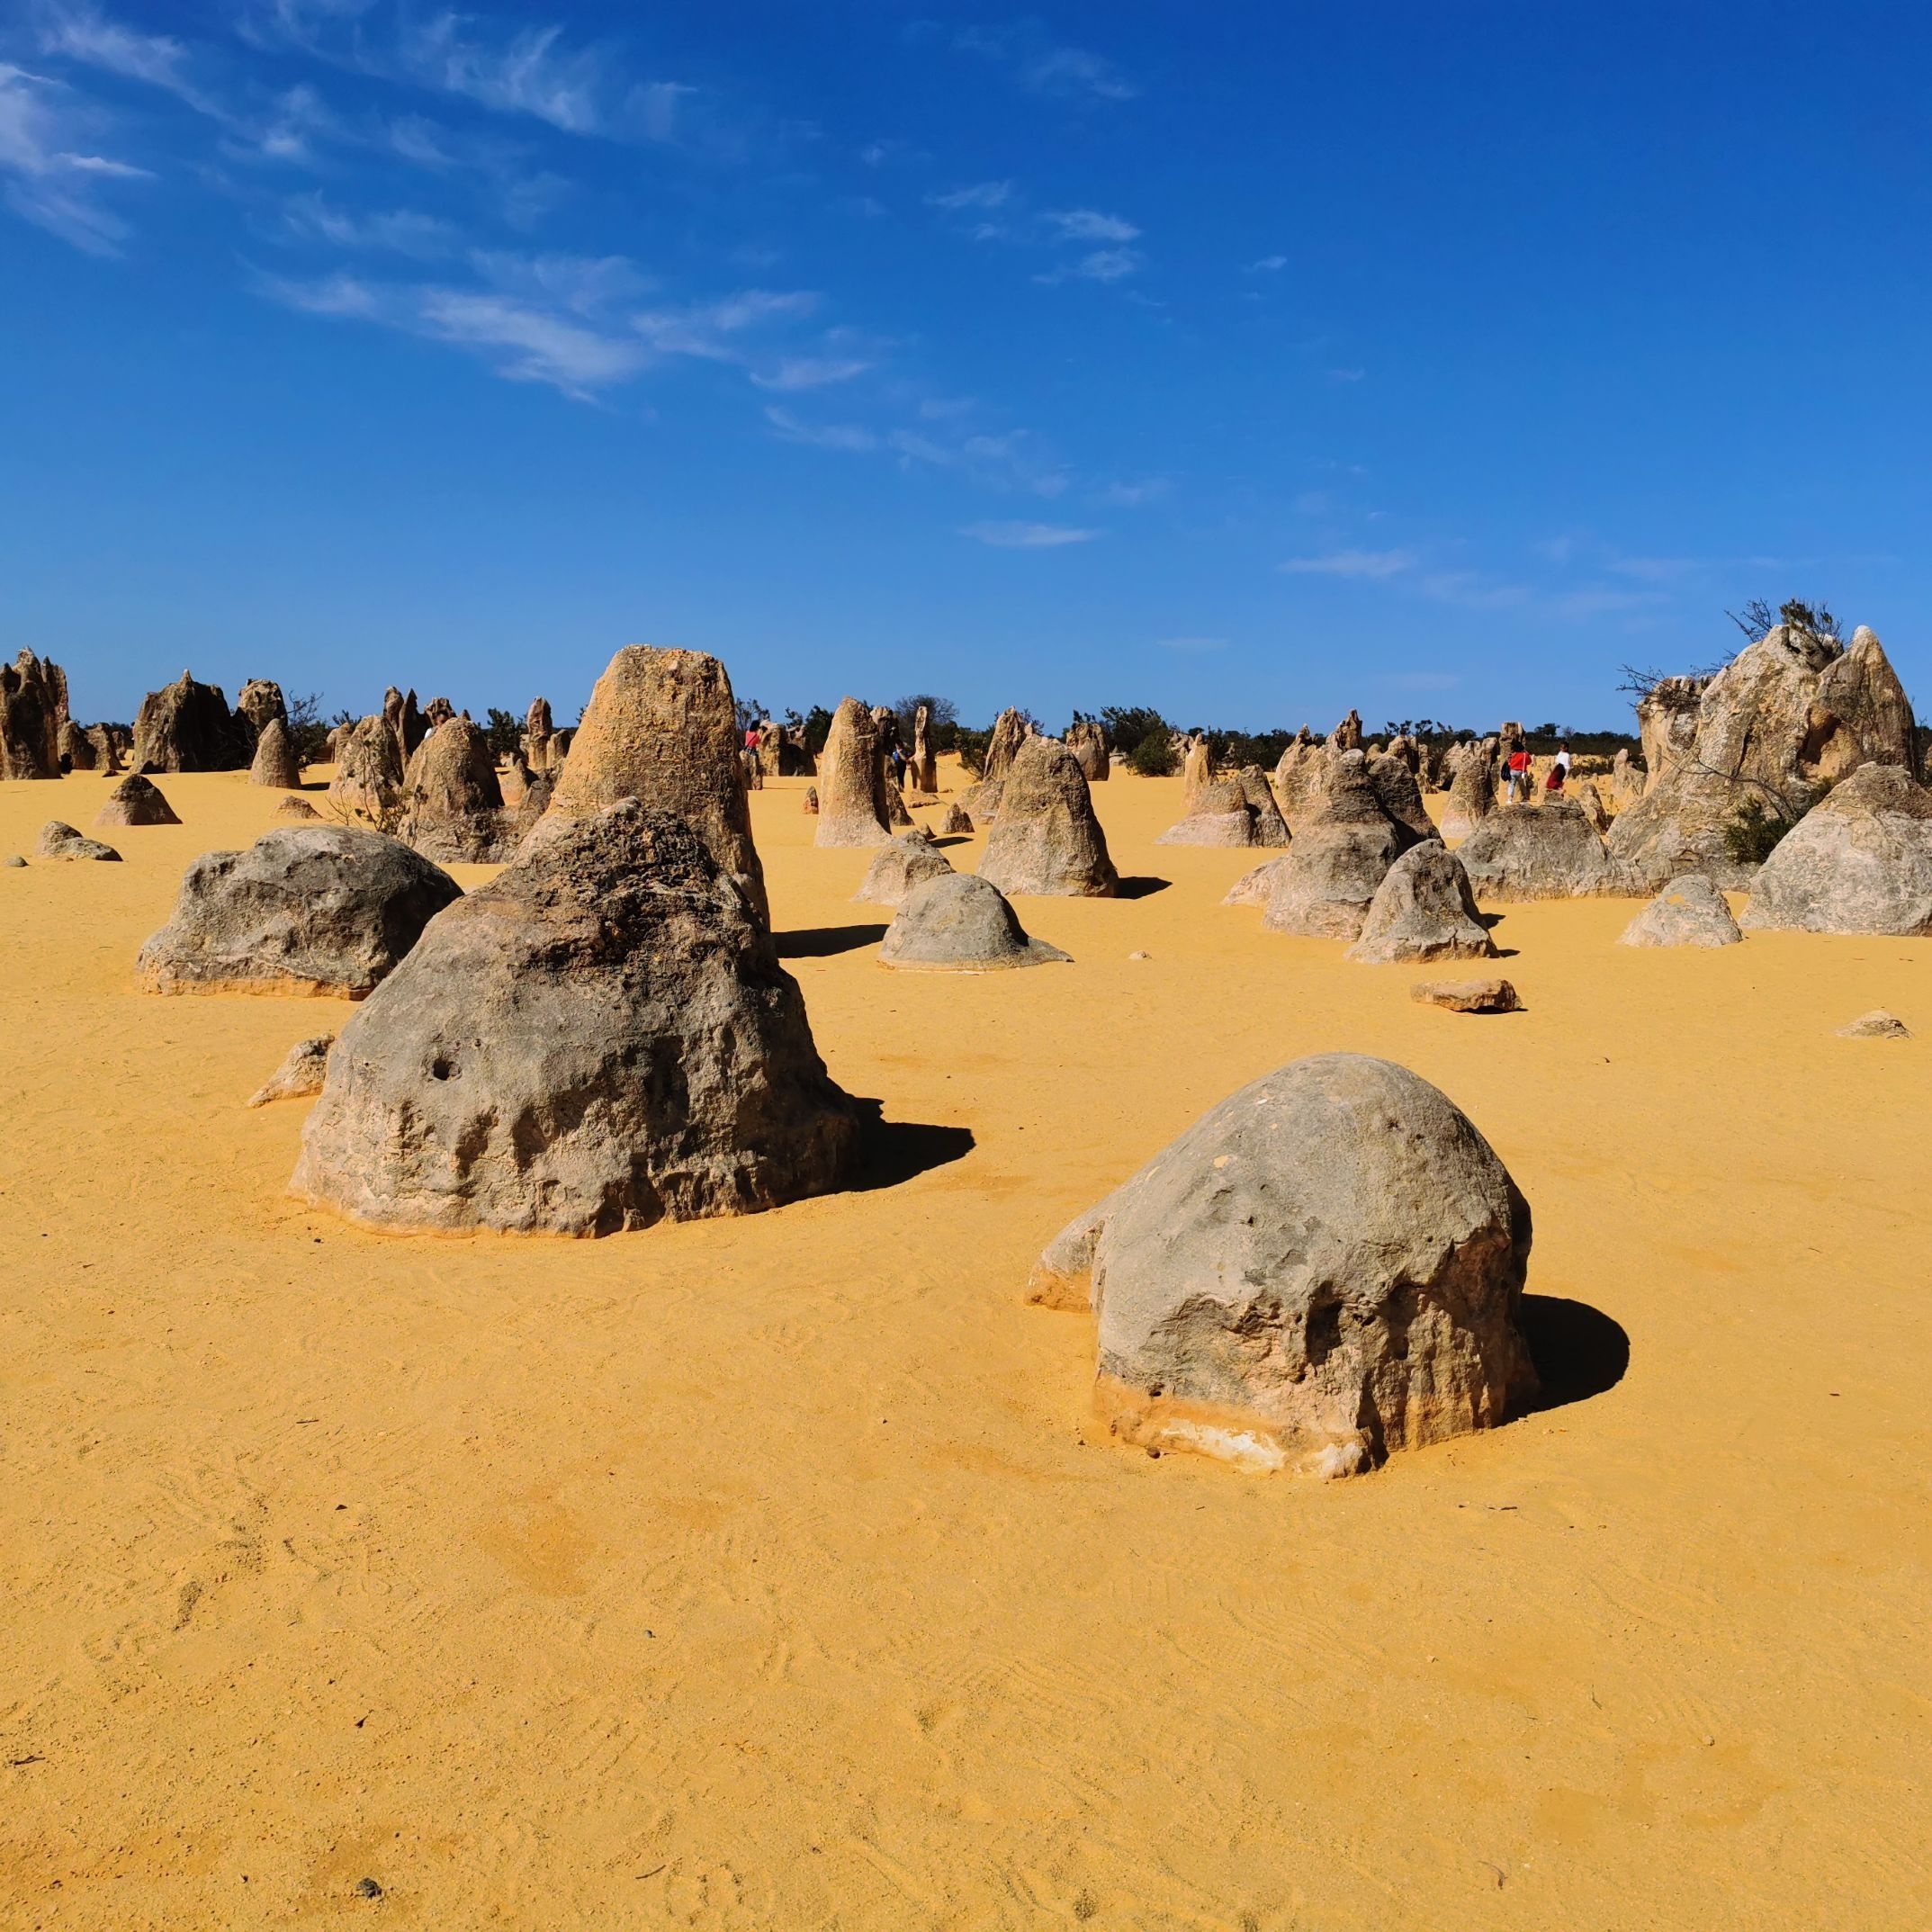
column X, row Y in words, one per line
column 1876, row 1025
column 1467, row 995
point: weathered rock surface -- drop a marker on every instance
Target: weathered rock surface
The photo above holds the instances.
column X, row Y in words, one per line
column 1347, row 736
column 900, row 866
column 1422, row 910
column 107, row 749
column 923, row 772
column 1087, row 740
column 599, row 1039
column 1298, row 773
column 260, row 702
column 1011, row 730
column 59, row 840
column 33, row 693
column 300, row 1076
column 1689, row 911
column 368, row 778
column 299, row 808
column 662, row 727
column 1399, row 796
column 1468, row 995
column 957, row 822
column 1229, row 809
column 1789, row 713
column 324, row 909
column 1344, row 845
column 1472, row 789
column 540, row 736
column 1876, row 1025
column 136, row 800
column 1544, row 851
column 960, row 923
column 1324, row 1269
column 77, row 752
column 851, row 781
column 1047, row 840
column 275, row 763
column 452, row 809
column 1254, row 888
column 1859, row 862
column 187, row 726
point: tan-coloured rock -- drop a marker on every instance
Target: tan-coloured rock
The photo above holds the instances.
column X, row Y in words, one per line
column 261, row 701
column 300, row 1076
column 1859, row 862
column 898, row 868
column 187, row 726
column 1876, row 1025
column 1323, row 1270
column 276, row 764
column 1468, row 995
column 76, row 749
column 960, row 922
column 1342, row 848
column 1422, row 910
column 1471, row 790
column 1047, row 840
column 924, row 768
column 136, row 800
column 298, row 808
column 452, row 807
column 1086, row 739
column 32, row 709
column 957, row 822
column 851, row 781
column 368, row 776
column 1543, row 851
column 662, row 727
column 1298, row 774
column 1689, row 911
column 59, row 840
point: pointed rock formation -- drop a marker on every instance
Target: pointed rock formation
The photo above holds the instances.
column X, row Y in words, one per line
column 1859, row 862
column 1347, row 736
column 662, row 727
column 275, row 763
column 599, row 1039
column 1472, row 789
column 295, row 806
column 300, row 1076
column 924, row 768
column 452, row 807
column 1400, row 795
column 1787, row 715
column 851, row 782
column 1689, row 911
column 899, row 867
column 1011, row 730
column 440, row 711
column 1047, row 840
column 1324, row 1269
column 323, row 909
column 1086, row 739
column 368, row 781
column 960, row 922
column 957, row 822
column 187, row 726
column 1298, row 773
column 260, row 702
column 32, row 707
column 539, row 736
column 136, row 800
column 1234, row 809
column 1546, row 851
column 1422, row 910
column 77, row 749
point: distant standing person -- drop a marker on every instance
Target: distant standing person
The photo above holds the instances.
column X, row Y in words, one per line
column 1560, row 771
column 1518, row 791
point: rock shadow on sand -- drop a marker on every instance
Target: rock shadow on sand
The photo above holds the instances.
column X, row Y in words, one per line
column 1141, row 888
column 822, row 942
column 894, row 1151
column 1579, row 1352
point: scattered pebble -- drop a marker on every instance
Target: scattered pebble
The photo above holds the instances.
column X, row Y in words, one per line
column 1876, row 1025
column 368, row 1888
column 13, row 859
column 1130, row 956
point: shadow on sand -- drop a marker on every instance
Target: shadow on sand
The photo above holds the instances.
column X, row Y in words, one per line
column 820, row 942
column 1142, row 888
column 1579, row 1352
column 894, row 1151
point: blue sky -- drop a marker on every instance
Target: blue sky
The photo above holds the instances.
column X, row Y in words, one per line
column 1251, row 361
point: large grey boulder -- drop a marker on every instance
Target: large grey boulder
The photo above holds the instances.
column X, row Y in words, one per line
column 322, row 909
column 600, row 1039
column 187, row 726
column 1791, row 712
column 853, row 809
column 960, row 923
column 137, row 801
column 33, row 702
column 1344, row 845
column 60, row 841
column 1689, row 911
column 662, row 727
column 899, row 867
column 1422, row 910
column 1325, row 1267
column 1859, row 862
column 1047, row 840
column 1545, row 851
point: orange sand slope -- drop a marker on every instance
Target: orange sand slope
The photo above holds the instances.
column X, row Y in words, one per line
column 771, row 1572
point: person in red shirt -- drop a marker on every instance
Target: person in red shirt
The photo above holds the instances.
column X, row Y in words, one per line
column 1518, row 788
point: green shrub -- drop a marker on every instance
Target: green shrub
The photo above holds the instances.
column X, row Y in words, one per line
column 1757, row 827
column 1154, row 756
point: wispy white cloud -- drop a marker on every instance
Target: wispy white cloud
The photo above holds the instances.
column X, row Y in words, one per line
column 531, row 72
column 50, row 180
column 1367, row 563
column 1089, row 224
column 1267, row 264
column 711, row 331
column 809, row 372
column 1475, row 590
column 84, row 33
column 846, row 437
column 1028, row 536
column 1045, row 66
column 1099, row 265
column 978, row 194
column 397, row 231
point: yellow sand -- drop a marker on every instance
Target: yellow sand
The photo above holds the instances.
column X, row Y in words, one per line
column 772, row 1573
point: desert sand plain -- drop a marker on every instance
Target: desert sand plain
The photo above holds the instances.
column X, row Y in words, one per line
column 773, row 1572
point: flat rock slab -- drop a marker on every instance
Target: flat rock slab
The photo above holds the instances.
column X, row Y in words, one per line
column 60, row 841
column 1467, row 995
column 1876, row 1025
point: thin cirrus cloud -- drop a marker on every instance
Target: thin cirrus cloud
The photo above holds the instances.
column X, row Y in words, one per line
column 1089, row 224
column 1358, row 564
column 809, row 372
column 49, row 179
column 1020, row 535
column 1043, row 66
column 1099, row 264
column 976, row 195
